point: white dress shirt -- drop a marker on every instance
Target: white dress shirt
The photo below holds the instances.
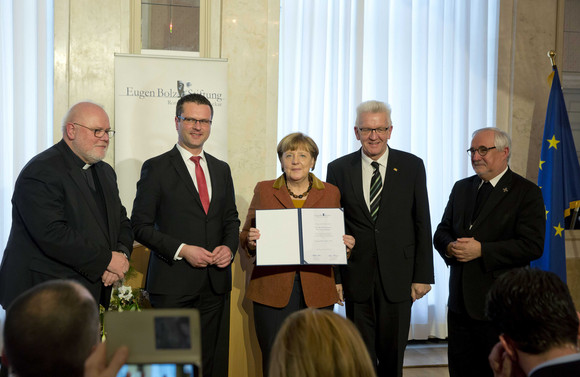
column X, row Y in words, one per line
column 368, row 170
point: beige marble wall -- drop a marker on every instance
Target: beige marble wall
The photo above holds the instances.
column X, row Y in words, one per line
column 572, row 245
column 571, row 35
column 528, row 30
column 86, row 37
column 570, row 68
column 250, row 43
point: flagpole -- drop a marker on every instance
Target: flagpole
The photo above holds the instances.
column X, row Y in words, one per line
column 552, row 56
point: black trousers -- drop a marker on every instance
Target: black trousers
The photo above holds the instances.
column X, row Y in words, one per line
column 214, row 313
column 470, row 342
column 384, row 327
column 268, row 321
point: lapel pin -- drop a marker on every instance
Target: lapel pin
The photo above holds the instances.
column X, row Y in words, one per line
column 395, row 169
column 505, row 189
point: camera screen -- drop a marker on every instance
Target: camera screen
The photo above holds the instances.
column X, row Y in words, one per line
column 159, row 370
column 172, row 333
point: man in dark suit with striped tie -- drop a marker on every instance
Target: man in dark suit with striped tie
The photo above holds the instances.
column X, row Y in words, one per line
column 494, row 221
column 384, row 195
column 185, row 212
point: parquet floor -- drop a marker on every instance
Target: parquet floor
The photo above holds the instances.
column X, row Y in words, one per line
column 426, row 360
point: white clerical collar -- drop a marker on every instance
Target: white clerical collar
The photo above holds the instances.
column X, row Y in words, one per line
column 496, row 179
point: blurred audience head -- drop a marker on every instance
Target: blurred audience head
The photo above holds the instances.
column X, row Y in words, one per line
column 319, row 343
column 51, row 329
column 533, row 308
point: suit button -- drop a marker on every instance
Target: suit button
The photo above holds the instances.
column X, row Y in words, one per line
column 376, row 230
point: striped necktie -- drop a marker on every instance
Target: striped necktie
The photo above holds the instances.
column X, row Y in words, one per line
column 376, row 186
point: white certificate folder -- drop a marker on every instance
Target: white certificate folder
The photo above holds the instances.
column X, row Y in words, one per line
column 300, row 236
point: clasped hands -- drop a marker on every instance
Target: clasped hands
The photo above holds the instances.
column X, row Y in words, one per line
column 464, row 249
column 116, row 269
column 254, row 235
column 200, row 257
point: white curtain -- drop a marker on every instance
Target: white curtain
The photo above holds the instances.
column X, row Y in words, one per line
column 434, row 62
column 26, row 85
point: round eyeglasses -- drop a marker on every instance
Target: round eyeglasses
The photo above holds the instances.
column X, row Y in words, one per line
column 481, row 150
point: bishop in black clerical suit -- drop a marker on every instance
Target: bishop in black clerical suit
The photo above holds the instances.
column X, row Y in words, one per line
column 67, row 218
column 482, row 235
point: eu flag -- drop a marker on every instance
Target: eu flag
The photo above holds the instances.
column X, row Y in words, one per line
column 559, row 180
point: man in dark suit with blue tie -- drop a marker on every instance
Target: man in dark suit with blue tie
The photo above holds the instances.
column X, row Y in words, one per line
column 185, row 212
column 494, row 221
column 384, row 196
column 67, row 218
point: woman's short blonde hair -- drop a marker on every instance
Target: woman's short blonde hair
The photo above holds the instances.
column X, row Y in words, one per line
column 295, row 141
column 315, row 342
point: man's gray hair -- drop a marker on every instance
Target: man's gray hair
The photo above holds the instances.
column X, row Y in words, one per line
column 501, row 139
column 373, row 107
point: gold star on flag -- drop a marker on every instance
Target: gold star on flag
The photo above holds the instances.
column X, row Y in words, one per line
column 541, row 162
column 553, row 142
column 559, row 230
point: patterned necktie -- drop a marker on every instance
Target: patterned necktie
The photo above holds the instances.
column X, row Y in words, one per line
column 201, row 183
column 376, row 185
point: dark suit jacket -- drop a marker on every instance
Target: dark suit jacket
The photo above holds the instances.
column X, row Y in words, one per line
column 272, row 285
column 510, row 227
column 58, row 232
column 400, row 240
column 168, row 212
column 569, row 369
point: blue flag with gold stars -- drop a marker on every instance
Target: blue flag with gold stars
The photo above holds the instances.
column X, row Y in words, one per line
column 559, row 180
